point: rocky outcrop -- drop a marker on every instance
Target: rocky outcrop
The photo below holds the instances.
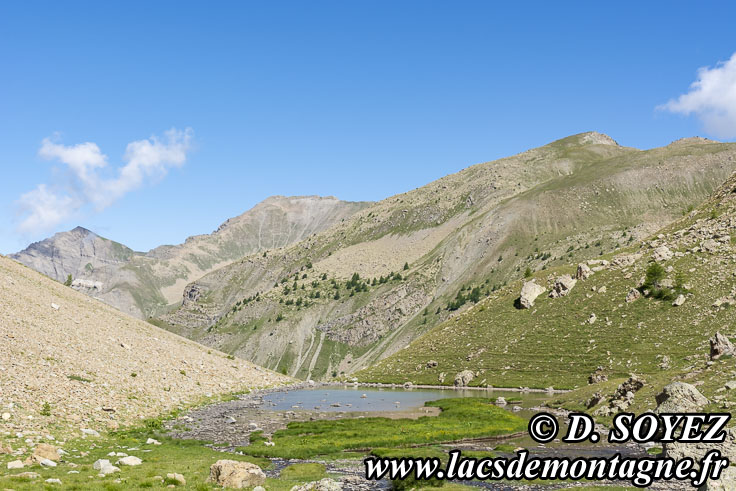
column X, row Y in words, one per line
column 680, row 397
column 464, row 378
column 662, row 254
column 622, row 397
column 720, row 345
column 583, row 272
column 598, row 376
column 563, row 286
column 236, row 475
column 633, row 295
column 529, row 292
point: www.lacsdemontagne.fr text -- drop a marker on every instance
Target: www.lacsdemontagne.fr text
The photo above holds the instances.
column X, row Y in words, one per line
column 640, row 471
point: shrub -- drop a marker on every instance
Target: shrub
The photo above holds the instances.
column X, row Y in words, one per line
column 46, row 409
column 68, row 281
column 528, row 272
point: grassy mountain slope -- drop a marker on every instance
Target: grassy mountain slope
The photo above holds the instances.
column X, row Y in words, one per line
column 68, row 362
column 314, row 310
column 557, row 342
column 143, row 284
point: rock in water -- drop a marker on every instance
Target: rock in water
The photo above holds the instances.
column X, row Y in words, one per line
column 563, row 285
column 234, row 474
column 680, row 397
column 529, row 292
column 720, row 345
column 463, row 378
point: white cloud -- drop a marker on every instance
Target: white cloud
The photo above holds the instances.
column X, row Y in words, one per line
column 712, row 98
column 47, row 206
column 45, row 209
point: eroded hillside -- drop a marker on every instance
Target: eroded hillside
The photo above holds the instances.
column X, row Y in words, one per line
column 651, row 310
column 69, row 362
column 345, row 298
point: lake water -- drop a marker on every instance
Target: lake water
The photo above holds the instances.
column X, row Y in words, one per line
column 362, row 399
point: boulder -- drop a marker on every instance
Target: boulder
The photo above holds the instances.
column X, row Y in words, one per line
column 88, row 432
column 563, row 285
column 583, row 272
column 679, row 300
column 130, row 461
column 176, row 478
column 720, row 345
column 235, row 474
column 633, row 384
column 625, row 260
column 105, row 467
column 598, row 376
column 27, row 475
column 432, row 364
column 501, row 401
column 594, row 400
column 696, row 450
column 15, row 464
column 679, row 397
column 529, row 292
column 633, row 294
column 45, row 451
column 463, row 378
column 662, row 253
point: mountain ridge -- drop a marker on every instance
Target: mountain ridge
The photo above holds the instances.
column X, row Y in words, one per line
column 579, row 196
column 143, row 283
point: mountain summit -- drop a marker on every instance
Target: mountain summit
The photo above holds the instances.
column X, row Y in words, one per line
column 144, row 284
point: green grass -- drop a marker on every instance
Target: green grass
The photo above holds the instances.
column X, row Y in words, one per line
column 459, row 419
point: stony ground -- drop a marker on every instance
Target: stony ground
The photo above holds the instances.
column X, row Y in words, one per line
column 69, row 362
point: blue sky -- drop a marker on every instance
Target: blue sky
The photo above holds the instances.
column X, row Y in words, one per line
column 360, row 100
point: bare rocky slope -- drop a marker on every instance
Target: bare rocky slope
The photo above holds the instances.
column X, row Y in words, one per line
column 145, row 284
column 69, row 362
column 362, row 290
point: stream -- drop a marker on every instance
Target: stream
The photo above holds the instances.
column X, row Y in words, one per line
column 229, row 424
